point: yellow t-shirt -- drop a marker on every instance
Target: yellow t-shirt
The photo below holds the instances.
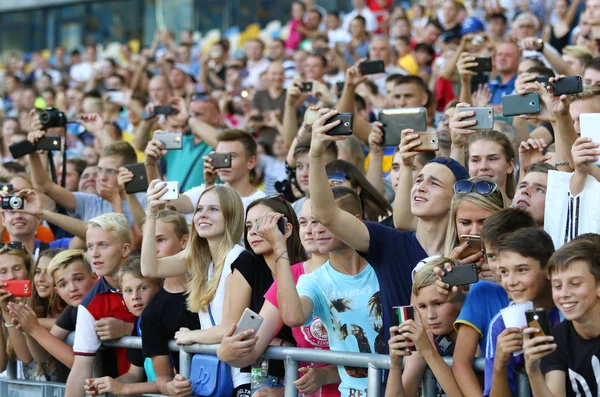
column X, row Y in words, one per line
column 128, row 137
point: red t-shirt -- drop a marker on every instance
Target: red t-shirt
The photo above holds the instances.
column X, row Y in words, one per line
column 313, row 336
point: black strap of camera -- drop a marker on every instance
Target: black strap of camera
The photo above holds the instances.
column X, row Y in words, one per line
column 53, row 167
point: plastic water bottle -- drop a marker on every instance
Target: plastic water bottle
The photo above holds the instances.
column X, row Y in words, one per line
column 320, row 391
column 260, row 375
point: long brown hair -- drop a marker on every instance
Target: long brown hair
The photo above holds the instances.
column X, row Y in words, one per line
column 509, row 154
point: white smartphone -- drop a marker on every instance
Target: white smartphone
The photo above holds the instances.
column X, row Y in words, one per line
column 249, row 320
column 116, row 96
column 172, row 192
column 588, row 126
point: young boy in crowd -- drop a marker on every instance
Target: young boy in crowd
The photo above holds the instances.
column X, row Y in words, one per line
column 137, row 293
column 73, row 278
column 523, row 256
column 484, row 299
column 102, row 315
column 437, row 316
column 566, row 363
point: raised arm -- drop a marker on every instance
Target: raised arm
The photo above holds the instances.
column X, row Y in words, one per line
column 466, row 61
column 94, row 124
column 290, row 115
column 361, row 128
column 151, row 265
column 553, row 58
column 459, row 130
column 375, row 170
column 347, row 227
column 403, row 217
column 137, row 211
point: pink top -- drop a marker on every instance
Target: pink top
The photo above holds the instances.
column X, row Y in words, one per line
column 294, row 38
column 313, row 336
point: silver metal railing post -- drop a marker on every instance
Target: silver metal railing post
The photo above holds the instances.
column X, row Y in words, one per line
column 374, row 381
column 429, row 384
column 185, row 363
column 291, row 375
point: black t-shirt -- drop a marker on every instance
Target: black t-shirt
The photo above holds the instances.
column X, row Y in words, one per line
column 68, row 319
column 577, row 358
column 257, row 273
column 163, row 316
column 135, row 356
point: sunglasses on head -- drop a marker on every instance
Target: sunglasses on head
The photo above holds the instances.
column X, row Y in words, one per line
column 338, row 177
column 200, row 96
column 15, row 245
column 485, row 188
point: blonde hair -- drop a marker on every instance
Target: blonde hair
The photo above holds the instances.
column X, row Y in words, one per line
column 133, row 267
column 491, row 202
column 584, row 55
column 120, row 149
column 426, row 275
column 115, row 223
column 64, row 259
column 509, row 154
column 201, row 289
column 176, row 219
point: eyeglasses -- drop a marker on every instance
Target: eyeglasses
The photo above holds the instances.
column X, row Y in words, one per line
column 199, row 96
column 485, row 188
column 108, row 171
column 338, row 178
column 14, row 245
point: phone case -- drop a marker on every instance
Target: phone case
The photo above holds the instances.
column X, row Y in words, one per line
column 484, row 65
column 18, row 288
column 484, row 117
column 429, row 142
column 372, row 67
column 402, row 314
column 172, row 192
column 345, row 127
column 248, row 321
column 588, row 126
column 568, row 85
column 307, row 87
column 281, row 224
column 171, row 140
column 220, row 160
column 537, row 318
column 21, row 148
column 166, row 110
column 461, row 275
column 396, row 120
column 48, row 142
column 139, row 183
column 543, row 80
column 514, row 105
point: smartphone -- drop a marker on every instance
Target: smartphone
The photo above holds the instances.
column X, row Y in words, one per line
column 172, row 191
column 171, row 140
column 116, row 96
column 484, row 117
column 543, row 80
column 537, row 318
column 345, row 127
column 220, row 160
column 307, row 86
column 588, row 126
column 165, row 110
column 429, row 142
column 484, row 65
column 474, row 244
column 151, row 59
column 48, row 142
column 568, row 85
column 248, row 321
column 461, row 275
column 396, row 120
column 18, row 288
column 371, row 67
column 21, row 148
column 258, row 118
column 514, row 105
column 310, row 116
column 6, row 187
column 139, row 183
column 340, row 87
column 281, row 224
column 403, row 314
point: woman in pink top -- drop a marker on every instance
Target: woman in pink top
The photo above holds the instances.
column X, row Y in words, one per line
column 295, row 37
column 238, row 352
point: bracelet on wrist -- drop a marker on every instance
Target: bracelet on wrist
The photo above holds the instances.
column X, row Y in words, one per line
column 561, row 163
column 8, row 325
column 149, row 215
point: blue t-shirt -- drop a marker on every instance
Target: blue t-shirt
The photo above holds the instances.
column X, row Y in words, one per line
column 350, row 308
column 515, row 364
column 498, row 89
column 393, row 255
column 483, row 301
column 180, row 162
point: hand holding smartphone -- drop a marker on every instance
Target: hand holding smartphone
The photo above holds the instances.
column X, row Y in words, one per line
column 461, row 275
column 538, row 318
column 220, row 160
column 568, row 85
column 249, row 321
column 172, row 191
column 18, row 288
column 345, row 126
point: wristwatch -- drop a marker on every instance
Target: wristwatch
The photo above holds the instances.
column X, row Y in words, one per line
column 541, row 43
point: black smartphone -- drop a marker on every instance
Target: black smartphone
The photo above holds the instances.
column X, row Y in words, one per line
column 543, row 80
column 220, row 160
column 139, row 183
column 372, row 67
column 6, row 187
column 484, row 65
column 538, row 318
column 151, row 59
column 568, row 85
column 171, row 140
column 281, row 224
column 340, row 87
column 396, row 120
column 514, row 105
column 48, row 142
column 461, row 275
column 167, row 110
column 258, row 118
column 307, row 86
column 21, row 148
column 345, row 127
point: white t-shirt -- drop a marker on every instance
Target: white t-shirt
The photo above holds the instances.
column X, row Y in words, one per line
column 255, row 69
column 81, row 72
column 216, row 308
column 195, row 192
column 366, row 13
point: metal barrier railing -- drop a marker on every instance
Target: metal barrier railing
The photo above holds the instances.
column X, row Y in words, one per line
column 375, row 363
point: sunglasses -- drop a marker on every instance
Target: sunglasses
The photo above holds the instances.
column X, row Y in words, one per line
column 485, row 188
column 15, row 245
column 338, row 177
column 200, row 96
